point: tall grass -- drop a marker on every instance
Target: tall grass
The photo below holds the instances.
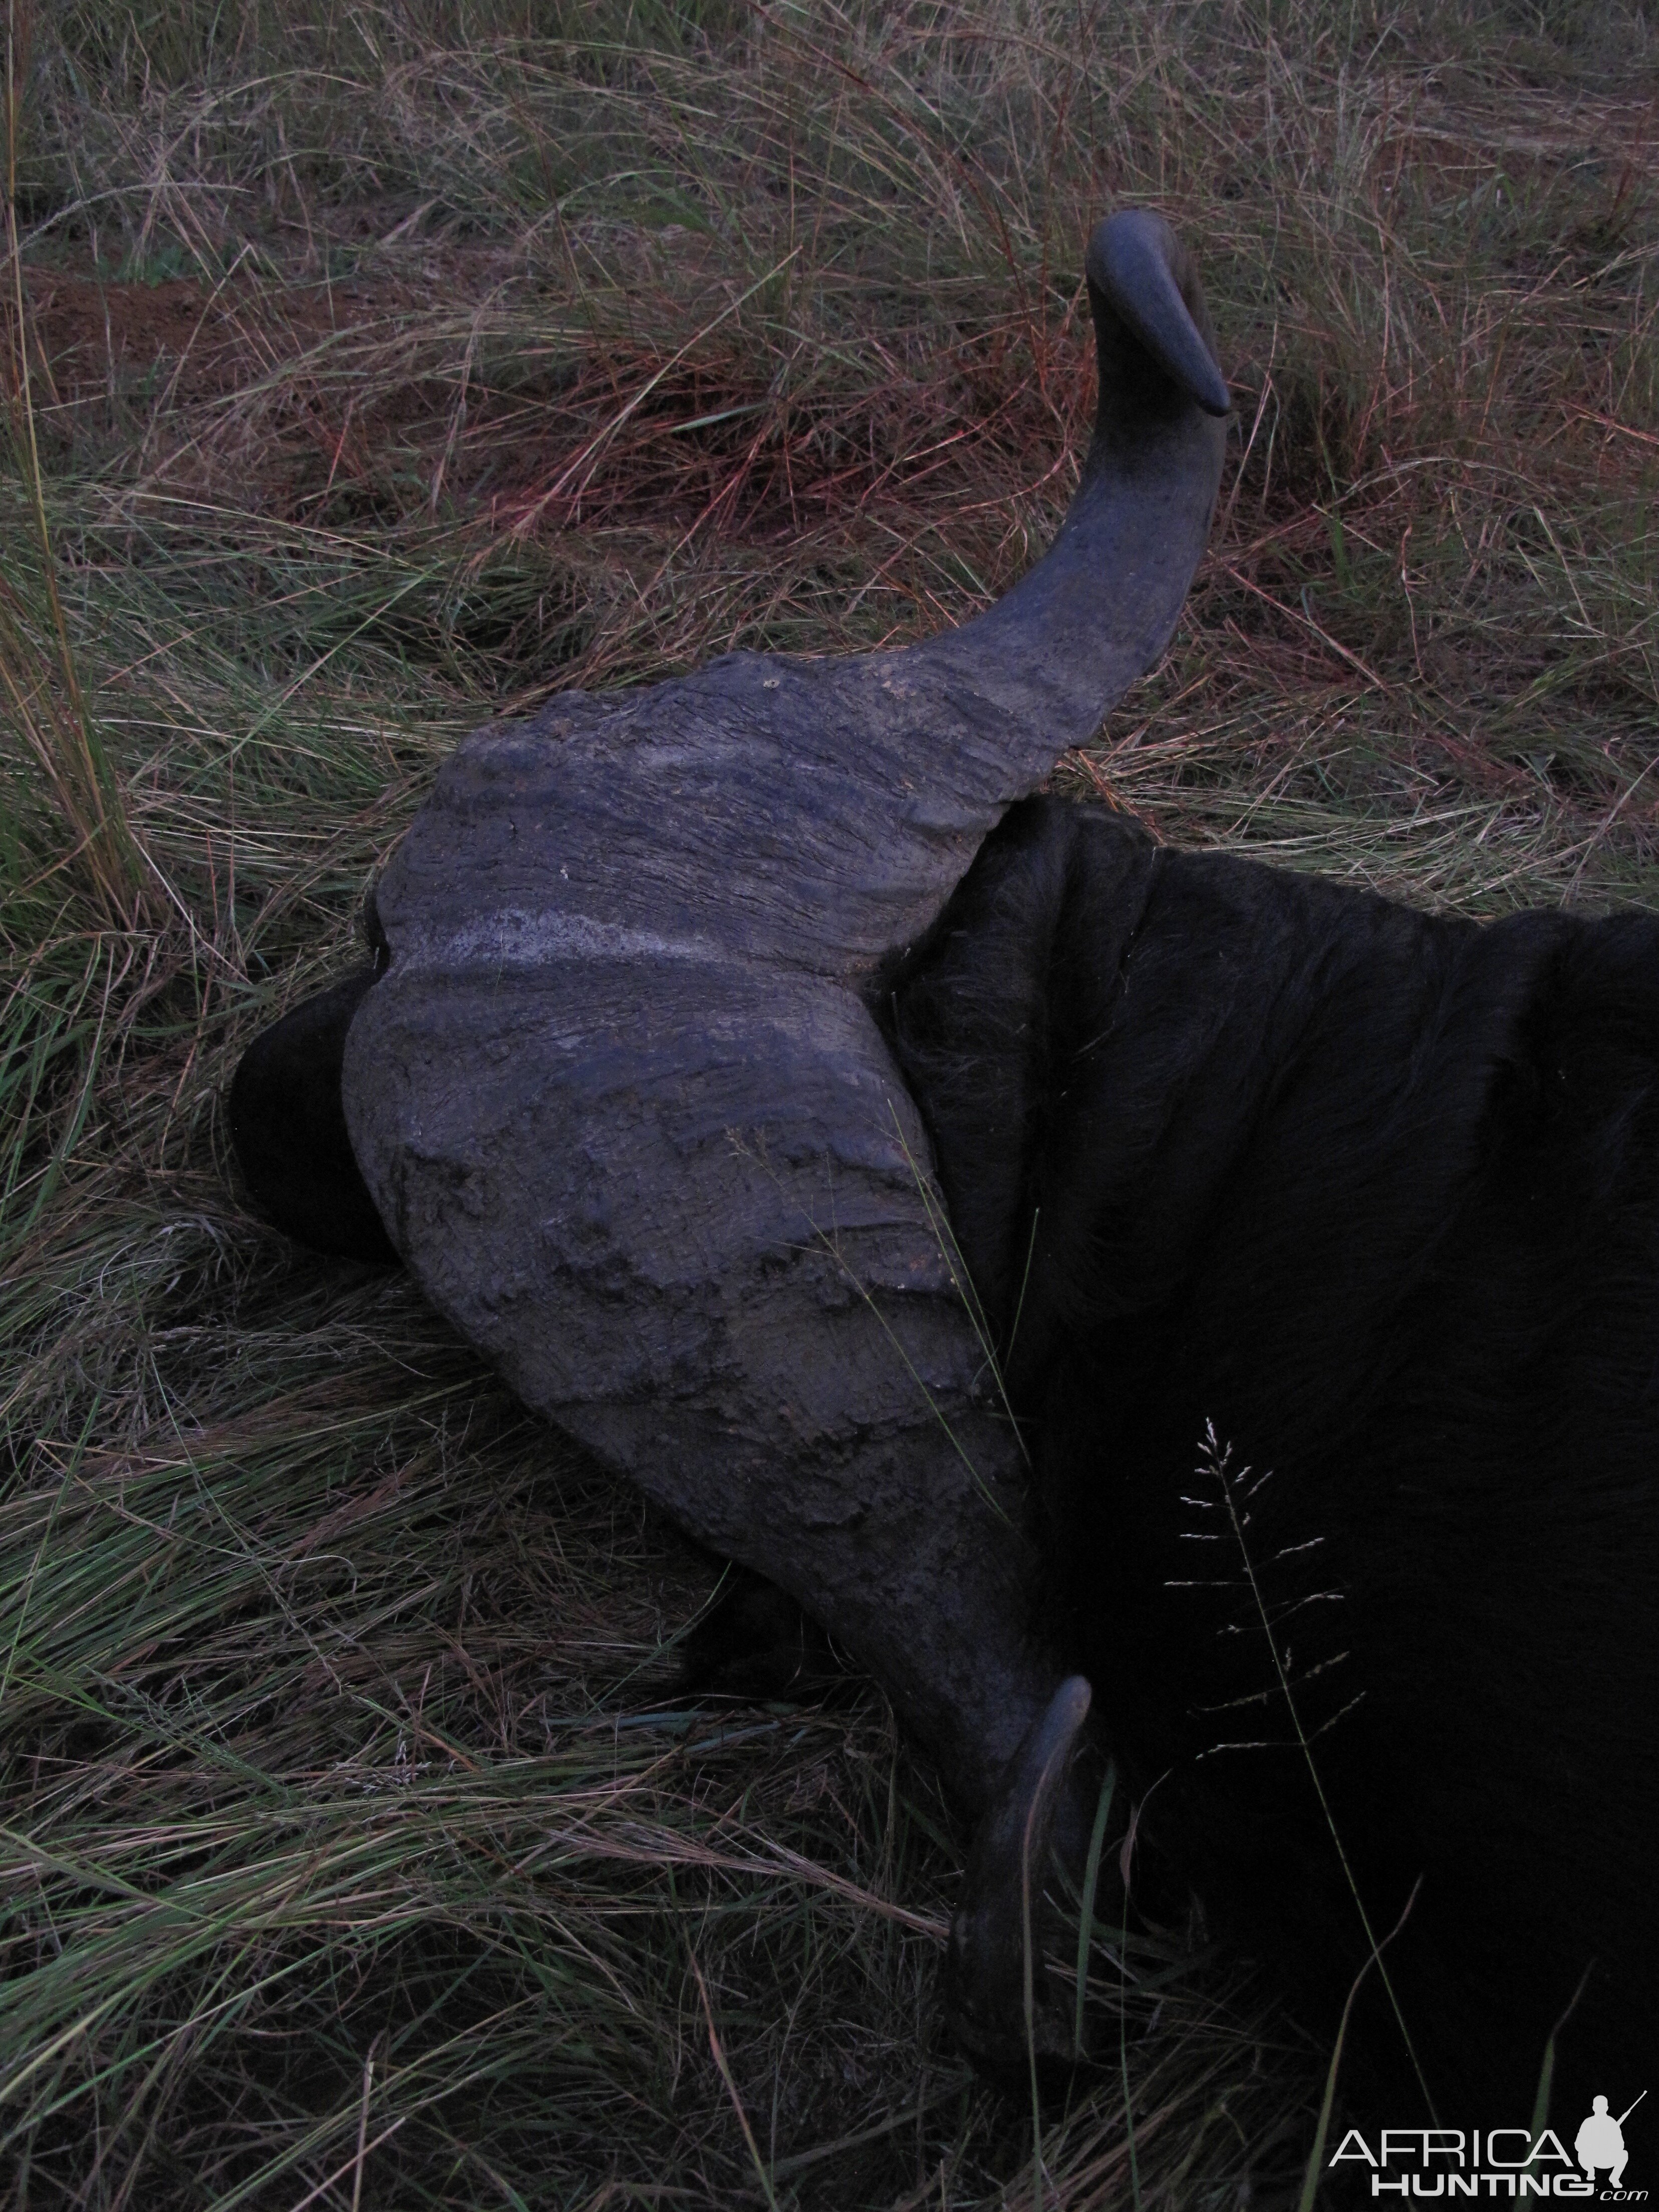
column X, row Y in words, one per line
column 38, row 672
column 389, row 365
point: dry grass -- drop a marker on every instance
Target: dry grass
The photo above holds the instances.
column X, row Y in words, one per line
column 390, row 365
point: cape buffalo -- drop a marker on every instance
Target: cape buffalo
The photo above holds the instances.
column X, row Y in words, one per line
column 1056, row 1260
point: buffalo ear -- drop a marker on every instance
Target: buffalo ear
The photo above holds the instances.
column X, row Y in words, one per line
column 287, row 1124
column 754, row 1644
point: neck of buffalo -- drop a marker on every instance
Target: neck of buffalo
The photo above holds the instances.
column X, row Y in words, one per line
column 626, row 1114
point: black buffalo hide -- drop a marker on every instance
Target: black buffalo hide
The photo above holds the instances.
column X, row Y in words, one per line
column 1374, row 1197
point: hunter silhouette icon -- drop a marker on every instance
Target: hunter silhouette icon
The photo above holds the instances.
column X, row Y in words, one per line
column 1601, row 2142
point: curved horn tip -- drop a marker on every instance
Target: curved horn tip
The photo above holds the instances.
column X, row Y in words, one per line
column 1057, row 1731
column 1141, row 268
column 1002, row 2015
column 1024, row 1806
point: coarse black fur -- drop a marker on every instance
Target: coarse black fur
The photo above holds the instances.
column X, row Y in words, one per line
column 1375, row 1194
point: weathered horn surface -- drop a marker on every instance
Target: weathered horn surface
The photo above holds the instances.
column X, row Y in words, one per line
column 626, row 1114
